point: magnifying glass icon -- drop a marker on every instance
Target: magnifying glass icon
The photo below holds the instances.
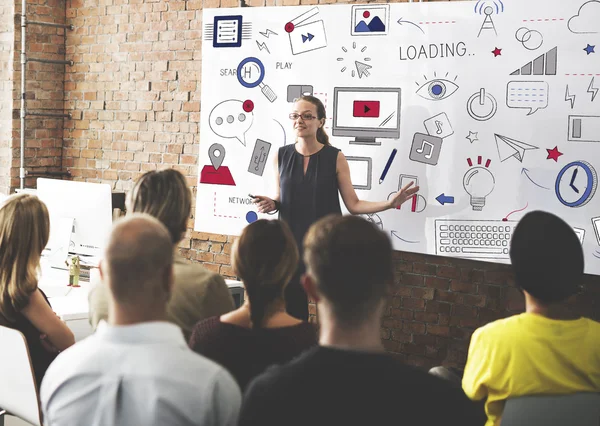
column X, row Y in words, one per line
column 250, row 73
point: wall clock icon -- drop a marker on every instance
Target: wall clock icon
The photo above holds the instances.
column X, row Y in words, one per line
column 576, row 184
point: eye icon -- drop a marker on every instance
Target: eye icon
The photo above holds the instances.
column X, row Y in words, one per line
column 437, row 89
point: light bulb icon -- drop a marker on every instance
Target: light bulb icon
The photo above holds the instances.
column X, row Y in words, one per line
column 479, row 182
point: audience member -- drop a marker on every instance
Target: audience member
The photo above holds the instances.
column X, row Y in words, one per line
column 548, row 349
column 24, row 232
column 137, row 369
column 197, row 293
column 260, row 333
column 348, row 379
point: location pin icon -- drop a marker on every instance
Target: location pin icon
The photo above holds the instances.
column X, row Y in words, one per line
column 216, row 153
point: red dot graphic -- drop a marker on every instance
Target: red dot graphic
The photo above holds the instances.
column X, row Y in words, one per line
column 248, row 105
column 366, row 14
column 289, row 27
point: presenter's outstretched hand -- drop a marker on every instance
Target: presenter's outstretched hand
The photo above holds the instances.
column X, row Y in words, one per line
column 264, row 204
column 404, row 194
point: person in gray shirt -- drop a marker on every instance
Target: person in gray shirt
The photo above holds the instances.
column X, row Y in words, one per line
column 137, row 369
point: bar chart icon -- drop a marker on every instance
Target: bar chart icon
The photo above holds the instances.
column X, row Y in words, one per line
column 542, row 65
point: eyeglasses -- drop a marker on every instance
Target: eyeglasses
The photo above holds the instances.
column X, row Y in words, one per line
column 306, row 116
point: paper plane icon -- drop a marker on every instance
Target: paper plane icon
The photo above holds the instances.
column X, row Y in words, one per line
column 362, row 69
column 508, row 148
column 306, row 37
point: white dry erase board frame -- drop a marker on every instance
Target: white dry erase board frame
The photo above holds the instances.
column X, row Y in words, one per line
column 496, row 101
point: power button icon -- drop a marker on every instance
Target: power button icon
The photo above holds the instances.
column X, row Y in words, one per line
column 482, row 106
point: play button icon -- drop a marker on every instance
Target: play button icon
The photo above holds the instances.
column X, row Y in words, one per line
column 368, row 109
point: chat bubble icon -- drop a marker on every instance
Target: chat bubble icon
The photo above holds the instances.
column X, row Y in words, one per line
column 531, row 95
column 232, row 119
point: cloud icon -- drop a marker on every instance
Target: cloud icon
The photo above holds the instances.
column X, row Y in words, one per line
column 587, row 20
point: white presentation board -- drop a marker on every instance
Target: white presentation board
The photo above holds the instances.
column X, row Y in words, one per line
column 492, row 107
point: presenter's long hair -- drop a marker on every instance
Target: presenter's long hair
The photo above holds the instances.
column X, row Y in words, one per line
column 322, row 136
column 24, row 232
column 265, row 258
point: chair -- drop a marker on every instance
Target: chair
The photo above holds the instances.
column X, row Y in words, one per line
column 579, row 409
column 18, row 390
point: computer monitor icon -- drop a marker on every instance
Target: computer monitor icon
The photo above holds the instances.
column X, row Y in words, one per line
column 366, row 113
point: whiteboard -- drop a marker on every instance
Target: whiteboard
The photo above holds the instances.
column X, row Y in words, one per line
column 491, row 106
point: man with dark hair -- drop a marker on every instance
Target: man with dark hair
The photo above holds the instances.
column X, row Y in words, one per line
column 548, row 349
column 348, row 379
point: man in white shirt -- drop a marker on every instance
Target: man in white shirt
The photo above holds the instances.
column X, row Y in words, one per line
column 138, row 369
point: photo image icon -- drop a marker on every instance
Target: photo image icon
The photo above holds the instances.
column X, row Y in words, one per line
column 370, row 20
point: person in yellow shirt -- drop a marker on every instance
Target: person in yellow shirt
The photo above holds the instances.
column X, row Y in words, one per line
column 548, row 349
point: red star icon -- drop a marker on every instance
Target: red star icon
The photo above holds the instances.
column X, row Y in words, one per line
column 497, row 52
column 553, row 154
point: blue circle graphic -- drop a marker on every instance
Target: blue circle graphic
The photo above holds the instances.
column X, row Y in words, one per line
column 251, row 217
column 589, row 190
column 261, row 67
column 437, row 90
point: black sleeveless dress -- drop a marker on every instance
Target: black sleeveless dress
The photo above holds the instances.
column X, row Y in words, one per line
column 305, row 198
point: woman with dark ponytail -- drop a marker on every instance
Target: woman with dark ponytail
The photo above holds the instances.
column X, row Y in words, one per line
column 311, row 174
column 260, row 333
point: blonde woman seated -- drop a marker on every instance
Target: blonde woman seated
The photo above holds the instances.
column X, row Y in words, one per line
column 260, row 333
column 197, row 293
column 24, row 232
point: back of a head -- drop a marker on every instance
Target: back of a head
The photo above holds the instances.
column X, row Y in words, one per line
column 138, row 260
column 265, row 257
column 165, row 195
column 351, row 261
column 546, row 257
column 24, row 232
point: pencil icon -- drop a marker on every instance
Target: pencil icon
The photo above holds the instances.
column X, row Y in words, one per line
column 387, row 166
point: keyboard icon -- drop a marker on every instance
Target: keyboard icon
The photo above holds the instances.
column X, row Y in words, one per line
column 476, row 239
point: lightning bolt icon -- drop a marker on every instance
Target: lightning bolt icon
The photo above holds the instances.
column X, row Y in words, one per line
column 593, row 90
column 267, row 33
column 569, row 97
column 262, row 46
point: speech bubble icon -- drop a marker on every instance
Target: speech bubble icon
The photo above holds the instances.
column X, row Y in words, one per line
column 532, row 95
column 232, row 119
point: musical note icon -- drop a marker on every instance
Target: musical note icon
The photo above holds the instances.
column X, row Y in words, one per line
column 422, row 149
column 426, row 149
column 439, row 127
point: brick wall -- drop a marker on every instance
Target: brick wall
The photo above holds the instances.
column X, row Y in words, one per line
column 7, row 28
column 45, row 90
column 134, row 92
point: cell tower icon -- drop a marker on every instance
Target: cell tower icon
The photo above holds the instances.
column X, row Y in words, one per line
column 488, row 22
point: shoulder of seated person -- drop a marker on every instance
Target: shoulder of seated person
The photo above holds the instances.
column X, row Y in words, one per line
column 193, row 269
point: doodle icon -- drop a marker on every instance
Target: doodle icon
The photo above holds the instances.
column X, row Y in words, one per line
column 228, row 31
column 488, row 22
column 584, row 128
column 532, row 95
column 542, row 65
column 370, row 20
column 478, row 182
column 439, row 126
column 259, row 157
column 306, row 36
column 586, row 20
column 251, row 73
column 426, row 149
column 360, row 67
column 482, row 106
column 232, row 119
column 508, row 148
column 437, row 89
column 530, row 39
column 216, row 174
column 576, row 184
